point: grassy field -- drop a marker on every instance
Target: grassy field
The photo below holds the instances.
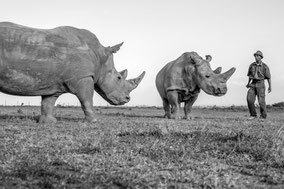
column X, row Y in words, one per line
column 136, row 148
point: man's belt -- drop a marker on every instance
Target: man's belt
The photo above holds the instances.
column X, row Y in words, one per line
column 257, row 80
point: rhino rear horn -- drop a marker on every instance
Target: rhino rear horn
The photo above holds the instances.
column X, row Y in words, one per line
column 135, row 82
column 228, row 74
column 218, row 70
column 115, row 48
column 123, row 73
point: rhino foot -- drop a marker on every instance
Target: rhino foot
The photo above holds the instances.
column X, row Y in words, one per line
column 47, row 119
column 188, row 117
column 167, row 115
column 175, row 117
column 90, row 120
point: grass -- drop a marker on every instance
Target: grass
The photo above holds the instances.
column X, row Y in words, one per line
column 137, row 148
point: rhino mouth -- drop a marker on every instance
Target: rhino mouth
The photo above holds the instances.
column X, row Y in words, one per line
column 216, row 91
column 220, row 92
column 108, row 98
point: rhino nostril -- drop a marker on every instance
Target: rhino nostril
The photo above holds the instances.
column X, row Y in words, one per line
column 127, row 98
column 219, row 90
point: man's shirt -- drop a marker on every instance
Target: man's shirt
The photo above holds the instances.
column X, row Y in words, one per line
column 258, row 73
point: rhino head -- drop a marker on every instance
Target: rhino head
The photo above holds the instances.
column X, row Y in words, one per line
column 211, row 82
column 112, row 85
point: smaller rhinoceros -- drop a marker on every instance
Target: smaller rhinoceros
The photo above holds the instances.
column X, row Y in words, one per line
column 181, row 81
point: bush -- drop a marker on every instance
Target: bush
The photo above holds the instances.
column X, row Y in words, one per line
column 279, row 104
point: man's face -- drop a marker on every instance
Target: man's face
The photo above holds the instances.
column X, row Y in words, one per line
column 257, row 58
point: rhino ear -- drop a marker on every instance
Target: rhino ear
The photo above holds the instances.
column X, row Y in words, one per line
column 197, row 60
column 123, row 73
column 115, row 48
column 218, row 70
column 208, row 58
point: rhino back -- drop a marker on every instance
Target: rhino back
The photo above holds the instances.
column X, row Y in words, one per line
column 29, row 43
column 167, row 77
column 38, row 61
column 176, row 75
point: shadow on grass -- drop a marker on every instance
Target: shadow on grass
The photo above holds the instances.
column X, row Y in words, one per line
column 21, row 117
column 209, row 136
column 122, row 114
column 7, row 117
column 153, row 133
column 227, row 145
column 35, row 118
column 131, row 115
column 44, row 175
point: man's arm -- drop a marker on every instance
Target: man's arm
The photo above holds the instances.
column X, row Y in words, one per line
column 269, row 85
column 248, row 82
column 249, row 74
column 268, row 77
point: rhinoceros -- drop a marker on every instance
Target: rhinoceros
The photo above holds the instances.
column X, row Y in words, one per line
column 181, row 80
column 51, row 62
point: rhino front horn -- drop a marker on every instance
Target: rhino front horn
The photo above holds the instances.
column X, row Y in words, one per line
column 135, row 82
column 228, row 74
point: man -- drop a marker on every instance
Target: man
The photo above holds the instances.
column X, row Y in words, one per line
column 257, row 73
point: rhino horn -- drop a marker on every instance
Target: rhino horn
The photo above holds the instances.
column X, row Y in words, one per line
column 123, row 73
column 228, row 74
column 218, row 70
column 135, row 82
column 115, row 48
column 208, row 58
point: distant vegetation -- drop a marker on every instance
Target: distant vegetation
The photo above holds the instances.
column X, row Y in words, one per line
column 279, row 104
column 214, row 107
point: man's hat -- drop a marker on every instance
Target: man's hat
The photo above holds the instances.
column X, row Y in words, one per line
column 258, row 53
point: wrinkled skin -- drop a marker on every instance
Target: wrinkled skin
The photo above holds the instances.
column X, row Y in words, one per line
column 181, row 80
column 48, row 63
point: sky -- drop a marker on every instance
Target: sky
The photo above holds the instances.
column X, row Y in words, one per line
column 156, row 32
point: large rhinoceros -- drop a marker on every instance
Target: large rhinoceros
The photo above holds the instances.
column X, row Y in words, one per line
column 181, row 81
column 50, row 62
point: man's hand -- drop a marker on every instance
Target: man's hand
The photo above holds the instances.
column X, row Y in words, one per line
column 269, row 89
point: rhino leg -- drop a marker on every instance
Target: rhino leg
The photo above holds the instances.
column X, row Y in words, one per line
column 173, row 98
column 47, row 105
column 188, row 106
column 85, row 92
column 167, row 108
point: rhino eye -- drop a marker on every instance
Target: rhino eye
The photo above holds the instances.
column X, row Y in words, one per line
column 207, row 76
column 119, row 77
